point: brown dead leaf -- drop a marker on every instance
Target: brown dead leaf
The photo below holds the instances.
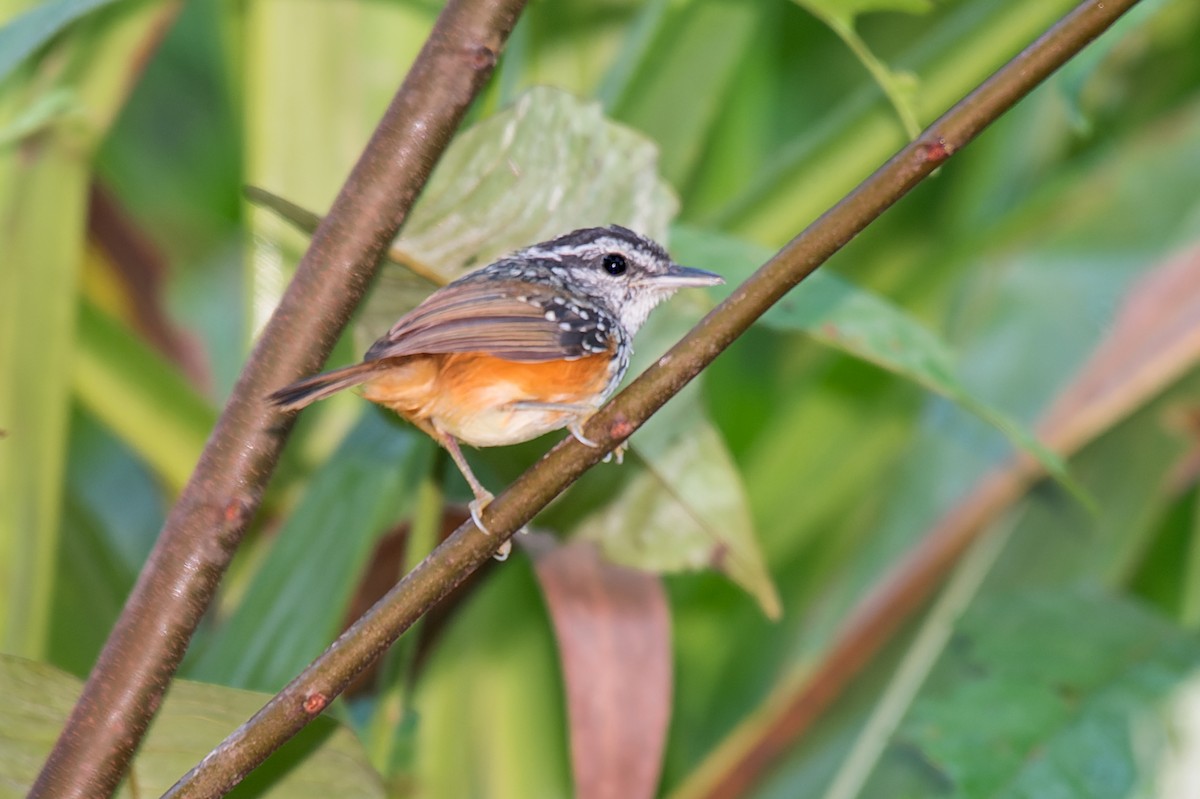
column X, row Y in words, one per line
column 1154, row 340
column 614, row 637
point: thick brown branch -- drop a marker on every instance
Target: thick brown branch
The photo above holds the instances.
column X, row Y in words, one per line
column 206, row 525
column 467, row 549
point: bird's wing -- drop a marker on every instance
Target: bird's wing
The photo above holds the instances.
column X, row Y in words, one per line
column 508, row 319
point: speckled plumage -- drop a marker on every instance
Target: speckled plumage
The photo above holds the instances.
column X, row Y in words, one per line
column 531, row 343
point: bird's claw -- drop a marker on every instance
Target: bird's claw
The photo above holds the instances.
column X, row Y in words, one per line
column 576, row 429
column 476, row 507
column 617, row 453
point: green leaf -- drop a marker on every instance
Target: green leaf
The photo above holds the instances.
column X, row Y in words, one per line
column 687, row 511
column 23, row 35
column 322, row 760
column 900, row 87
column 840, row 315
column 316, row 562
column 1074, row 706
column 549, row 164
column 490, row 698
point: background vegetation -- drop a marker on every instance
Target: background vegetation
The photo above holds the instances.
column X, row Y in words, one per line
column 1044, row 278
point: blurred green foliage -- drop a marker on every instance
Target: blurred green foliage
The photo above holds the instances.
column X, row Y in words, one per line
column 992, row 283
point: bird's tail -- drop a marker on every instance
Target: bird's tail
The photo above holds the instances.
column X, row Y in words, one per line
column 307, row 391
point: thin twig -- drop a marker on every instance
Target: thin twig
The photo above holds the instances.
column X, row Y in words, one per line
column 306, row 221
column 310, row 692
column 205, row 526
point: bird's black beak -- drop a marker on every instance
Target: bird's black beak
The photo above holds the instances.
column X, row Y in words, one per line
column 678, row 277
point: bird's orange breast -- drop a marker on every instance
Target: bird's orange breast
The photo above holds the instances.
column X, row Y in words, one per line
column 475, row 397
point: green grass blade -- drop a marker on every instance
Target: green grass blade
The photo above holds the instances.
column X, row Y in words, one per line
column 315, row 563
column 140, row 396
column 43, row 194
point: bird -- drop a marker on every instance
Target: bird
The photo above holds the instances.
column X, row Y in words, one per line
column 534, row 342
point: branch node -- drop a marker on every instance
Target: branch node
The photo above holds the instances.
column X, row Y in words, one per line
column 237, row 511
column 621, row 428
column 314, row 703
column 482, row 58
column 936, row 151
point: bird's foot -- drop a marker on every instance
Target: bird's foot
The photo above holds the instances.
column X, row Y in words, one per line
column 576, row 429
column 476, row 507
column 617, row 453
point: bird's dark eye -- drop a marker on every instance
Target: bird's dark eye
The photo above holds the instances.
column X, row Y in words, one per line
column 615, row 264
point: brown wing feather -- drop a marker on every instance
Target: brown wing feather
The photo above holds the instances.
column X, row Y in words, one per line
column 501, row 318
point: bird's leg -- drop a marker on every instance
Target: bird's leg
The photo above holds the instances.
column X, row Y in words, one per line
column 482, row 495
column 580, row 415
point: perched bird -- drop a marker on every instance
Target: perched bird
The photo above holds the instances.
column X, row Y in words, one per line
column 534, row 342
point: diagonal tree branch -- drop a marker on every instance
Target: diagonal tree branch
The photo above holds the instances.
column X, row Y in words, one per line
column 311, row 691
column 206, row 525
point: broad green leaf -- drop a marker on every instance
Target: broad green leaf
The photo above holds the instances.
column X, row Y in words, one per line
column 862, row 324
column 22, row 35
column 140, row 396
column 548, row 164
column 1075, row 706
column 43, row 201
column 685, row 512
column 322, row 760
column 926, row 647
column 311, row 570
column 490, row 698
